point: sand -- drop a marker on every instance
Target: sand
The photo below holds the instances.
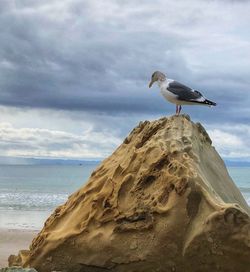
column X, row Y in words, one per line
column 163, row 201
column 12, row 240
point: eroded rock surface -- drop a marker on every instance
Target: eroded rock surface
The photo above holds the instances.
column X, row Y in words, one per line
column 163, row 201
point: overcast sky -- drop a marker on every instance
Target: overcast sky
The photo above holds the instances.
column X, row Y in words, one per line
column 74, row 74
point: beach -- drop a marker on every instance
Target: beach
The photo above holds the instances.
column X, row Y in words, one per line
column 12, row 240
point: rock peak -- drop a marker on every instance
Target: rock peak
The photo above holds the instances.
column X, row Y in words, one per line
column 163, row 201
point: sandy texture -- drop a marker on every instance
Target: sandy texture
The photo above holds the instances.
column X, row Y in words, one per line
column 11, row 241
column 163, row 201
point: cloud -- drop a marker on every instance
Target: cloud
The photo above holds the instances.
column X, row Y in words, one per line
column 232, row 142
column 34, row 142
column 87, row 56
column 62, row 134
column 74, row 66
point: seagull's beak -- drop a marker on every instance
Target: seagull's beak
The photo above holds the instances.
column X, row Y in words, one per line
column 150, row 83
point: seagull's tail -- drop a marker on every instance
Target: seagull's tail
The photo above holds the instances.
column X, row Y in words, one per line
column 209, row 102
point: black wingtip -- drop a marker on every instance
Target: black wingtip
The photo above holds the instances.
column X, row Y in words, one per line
column 210, row 103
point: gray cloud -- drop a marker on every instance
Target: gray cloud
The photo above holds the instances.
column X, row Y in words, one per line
column 75, row 55
column 94, row 59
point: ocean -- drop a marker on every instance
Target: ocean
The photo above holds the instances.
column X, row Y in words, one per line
column 29, row 193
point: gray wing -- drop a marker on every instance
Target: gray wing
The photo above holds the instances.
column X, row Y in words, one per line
column 183, row 92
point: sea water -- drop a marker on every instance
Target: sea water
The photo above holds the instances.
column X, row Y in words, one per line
column 30, row 193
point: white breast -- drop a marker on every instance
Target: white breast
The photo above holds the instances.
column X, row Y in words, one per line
column 166, row 94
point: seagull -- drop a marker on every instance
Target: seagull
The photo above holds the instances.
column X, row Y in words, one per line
column 178, row 93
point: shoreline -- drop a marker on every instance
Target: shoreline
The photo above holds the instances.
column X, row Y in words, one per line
column 13, row 240
column 23, row 219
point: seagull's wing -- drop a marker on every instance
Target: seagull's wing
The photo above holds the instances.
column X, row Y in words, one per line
column 184, row 93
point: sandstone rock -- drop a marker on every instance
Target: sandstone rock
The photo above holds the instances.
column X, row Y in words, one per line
column 163, row 201
column 19, row 259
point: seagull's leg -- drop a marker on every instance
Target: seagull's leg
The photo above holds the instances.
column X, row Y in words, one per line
column 179, row 109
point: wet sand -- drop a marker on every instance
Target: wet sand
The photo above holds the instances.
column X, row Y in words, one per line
column 12, row 240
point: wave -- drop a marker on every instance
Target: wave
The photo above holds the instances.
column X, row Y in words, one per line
column 30, row 201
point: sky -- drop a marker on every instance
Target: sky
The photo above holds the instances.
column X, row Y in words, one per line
column 74, row 74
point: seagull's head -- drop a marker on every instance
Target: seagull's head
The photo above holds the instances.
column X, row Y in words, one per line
column 156, row 76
